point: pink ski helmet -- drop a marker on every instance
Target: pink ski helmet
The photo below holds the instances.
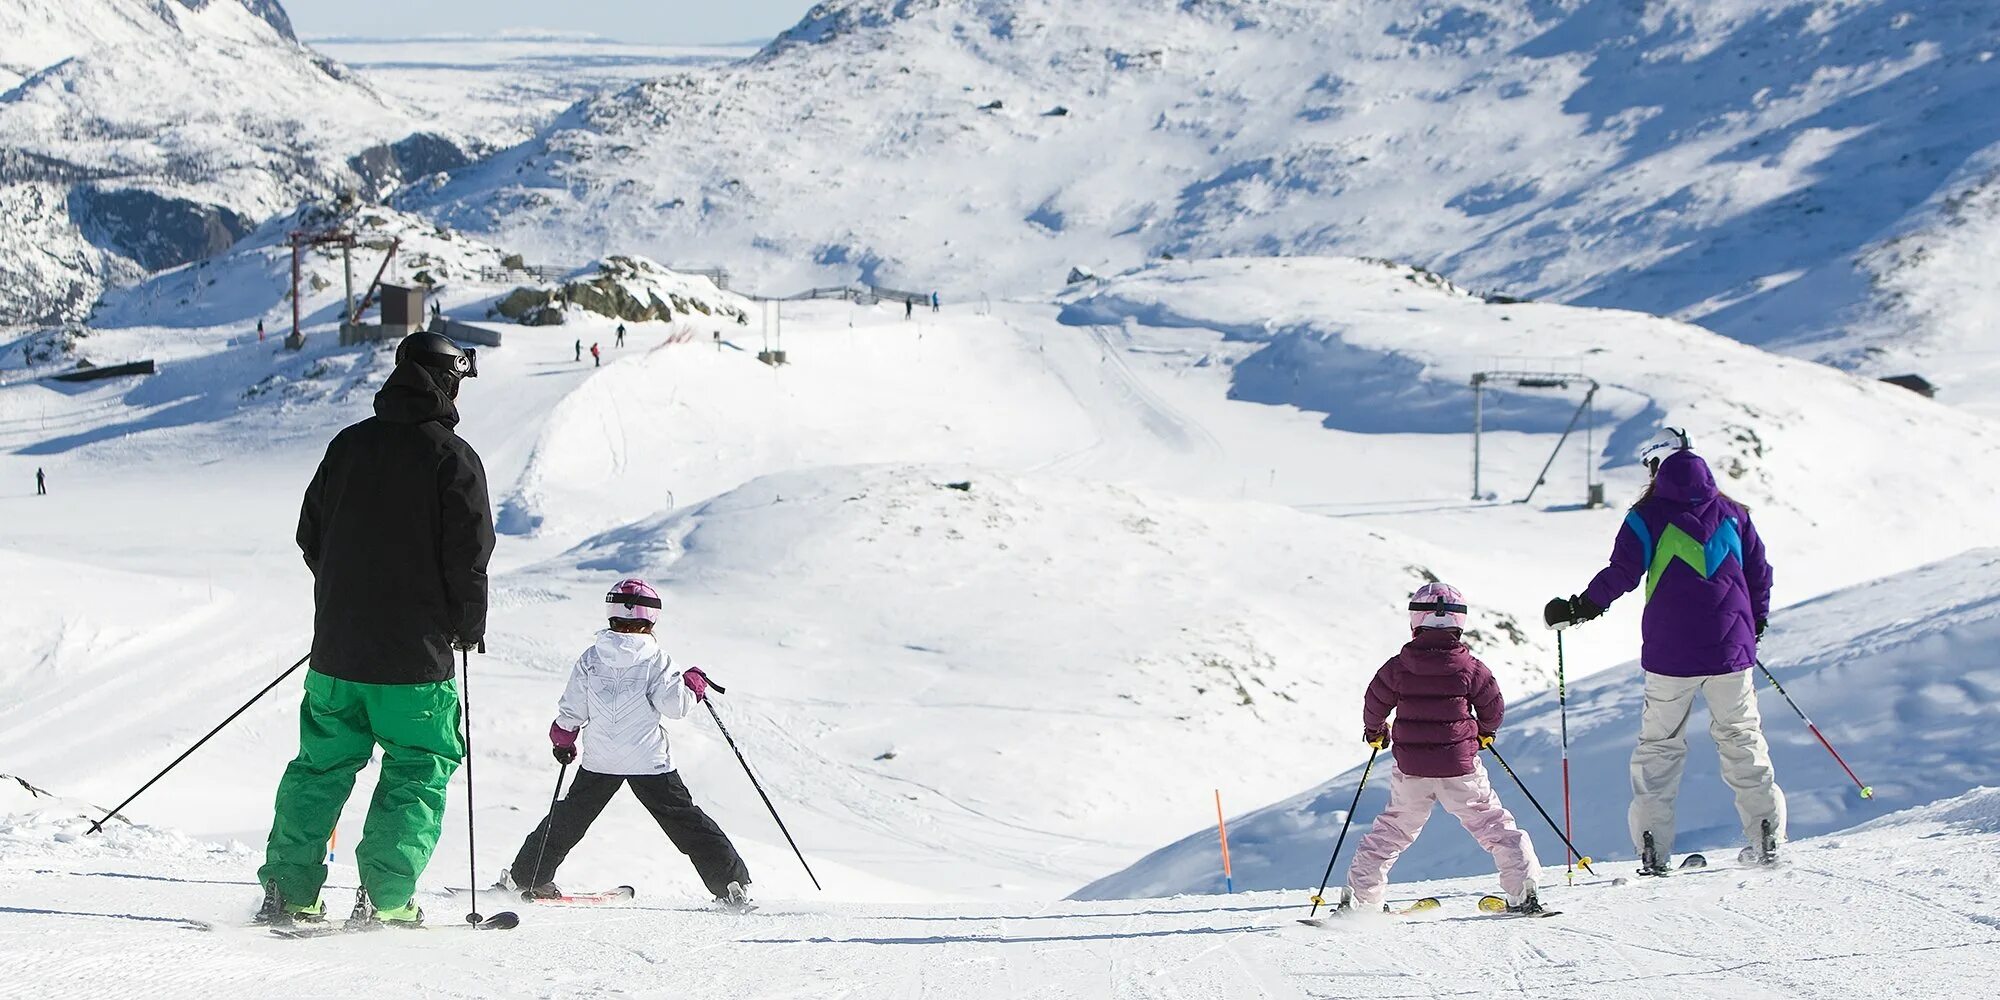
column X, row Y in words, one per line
column 1437, row 605
column 633, row 599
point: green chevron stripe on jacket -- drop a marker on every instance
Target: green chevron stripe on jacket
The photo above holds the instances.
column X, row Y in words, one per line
column 1674, row 543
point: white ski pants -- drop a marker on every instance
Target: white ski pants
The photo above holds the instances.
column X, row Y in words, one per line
column 1471, row 799
column 1739, row 742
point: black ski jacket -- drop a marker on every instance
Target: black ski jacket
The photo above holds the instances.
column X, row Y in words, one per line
column 397, row 530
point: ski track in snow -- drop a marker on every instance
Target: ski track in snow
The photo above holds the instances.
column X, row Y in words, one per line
column 1817, row 928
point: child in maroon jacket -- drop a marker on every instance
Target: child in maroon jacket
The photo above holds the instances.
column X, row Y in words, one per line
column 1447, row 707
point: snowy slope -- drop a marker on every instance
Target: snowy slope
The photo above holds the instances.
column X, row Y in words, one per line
column 1382, row 355
column 1898, row 673
column 1150, row 590
column 141, row 135
column 1753, row 166
column 1908, row 901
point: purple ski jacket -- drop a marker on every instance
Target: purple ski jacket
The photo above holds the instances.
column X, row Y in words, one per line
column 1707, row 582
column 1444, row 700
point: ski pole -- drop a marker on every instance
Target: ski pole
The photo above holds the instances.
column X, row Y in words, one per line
column 1356, row 804
column 1581, row 858
column 471, row 845
column 94, row 827
column 548, row 827
column 726, row 738
column 1867, row 791
column 1562, row 703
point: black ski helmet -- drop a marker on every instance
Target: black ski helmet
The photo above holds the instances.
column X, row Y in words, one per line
column 436, row 351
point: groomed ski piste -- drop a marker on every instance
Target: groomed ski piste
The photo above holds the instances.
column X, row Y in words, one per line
column 1002, row 596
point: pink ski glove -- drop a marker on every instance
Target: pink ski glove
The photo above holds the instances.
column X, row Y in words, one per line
column 697, row 682
column 564, row 741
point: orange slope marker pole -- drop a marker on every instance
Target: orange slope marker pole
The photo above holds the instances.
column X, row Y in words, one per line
column 1222, row 830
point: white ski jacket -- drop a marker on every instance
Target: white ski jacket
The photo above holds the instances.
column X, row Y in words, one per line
column 618, row 693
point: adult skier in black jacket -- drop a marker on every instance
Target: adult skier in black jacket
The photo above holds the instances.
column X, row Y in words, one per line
column 397, row 531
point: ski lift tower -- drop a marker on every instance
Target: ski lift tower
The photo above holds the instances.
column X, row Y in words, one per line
column 1560, row 381
column 300, row 239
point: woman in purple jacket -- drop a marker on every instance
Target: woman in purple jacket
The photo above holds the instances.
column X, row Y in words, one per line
column 1448, row 707
column 1708, row 596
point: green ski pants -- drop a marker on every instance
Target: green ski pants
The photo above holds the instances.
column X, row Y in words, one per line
column 340, row 723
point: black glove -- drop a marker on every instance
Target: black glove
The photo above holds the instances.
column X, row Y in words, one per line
column 564, row 755
column 1762, row 624
column 1569, row 611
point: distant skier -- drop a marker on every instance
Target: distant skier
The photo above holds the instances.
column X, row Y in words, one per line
column 579, row 350
column 935, row 301
column 260, row 331
column 621, row 335
column 596, row 357
column 1708, row 597
column 397, row 531
column 1447, row 707
column 619, row 691
column 909, row 308
column 41, row 483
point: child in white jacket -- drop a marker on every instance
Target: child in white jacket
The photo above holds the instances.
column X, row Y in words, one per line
column 610, row 715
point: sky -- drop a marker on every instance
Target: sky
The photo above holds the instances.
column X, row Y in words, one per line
column 669, row 21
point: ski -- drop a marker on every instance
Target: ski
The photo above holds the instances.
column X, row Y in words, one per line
column 1419, row 906
column 1497, row 905
column 505, row 921
column 1693, row 862
column 620, row 894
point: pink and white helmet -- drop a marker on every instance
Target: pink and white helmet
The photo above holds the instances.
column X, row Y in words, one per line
column 633, row 599
column 1437, row 605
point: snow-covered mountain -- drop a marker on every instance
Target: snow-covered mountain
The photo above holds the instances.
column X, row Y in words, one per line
column 141, row 134
column 1802, row 173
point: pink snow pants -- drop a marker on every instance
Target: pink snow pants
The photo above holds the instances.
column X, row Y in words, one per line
column 1471, row 799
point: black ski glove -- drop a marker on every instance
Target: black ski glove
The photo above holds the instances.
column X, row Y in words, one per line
column 1762, row 624
column 564, row 755
column 1569, row 611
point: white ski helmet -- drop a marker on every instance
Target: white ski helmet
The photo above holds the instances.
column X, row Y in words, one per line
column 1437, row 605
column 633, row 599
column 1668, row 441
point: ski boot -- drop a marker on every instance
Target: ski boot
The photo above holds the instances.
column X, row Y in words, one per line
column 407, row 917
column 736, row 897
column 547, row 890
column 275, row 912
column 1764, row 852
column 1651, row 863
column 1528, row 906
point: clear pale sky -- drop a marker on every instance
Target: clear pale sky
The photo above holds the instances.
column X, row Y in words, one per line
column 670, row 21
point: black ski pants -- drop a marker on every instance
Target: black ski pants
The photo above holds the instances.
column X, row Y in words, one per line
column 664, row 795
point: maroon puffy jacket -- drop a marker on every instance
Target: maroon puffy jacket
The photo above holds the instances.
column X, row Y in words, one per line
column 1444, row 700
